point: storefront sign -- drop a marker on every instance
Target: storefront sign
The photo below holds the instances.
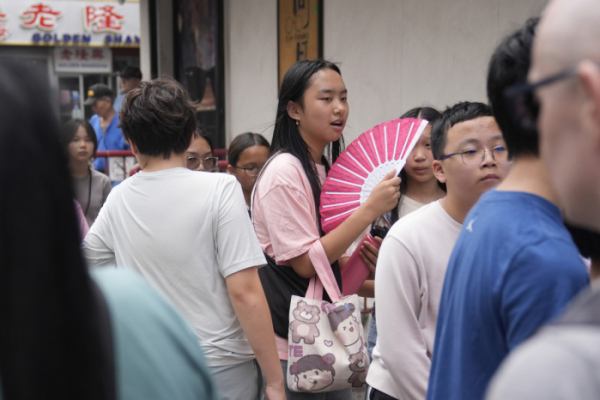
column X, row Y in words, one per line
column 82, row 60
column 299, row 32
column 54, row 22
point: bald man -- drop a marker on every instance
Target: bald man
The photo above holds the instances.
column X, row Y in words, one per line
column 563, row 360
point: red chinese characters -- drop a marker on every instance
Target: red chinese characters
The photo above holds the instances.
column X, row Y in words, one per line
column 102, row 19
column 41, row 16
column 3, row 28
column 97, row 54
column 66, row 54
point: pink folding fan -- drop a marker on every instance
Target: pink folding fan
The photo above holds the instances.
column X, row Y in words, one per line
column 362, row 166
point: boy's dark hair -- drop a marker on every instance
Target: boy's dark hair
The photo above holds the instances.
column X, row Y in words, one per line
column 587, row 241
column 158, row 117
column 509, row 65
column 69, row 129
column 460, row 112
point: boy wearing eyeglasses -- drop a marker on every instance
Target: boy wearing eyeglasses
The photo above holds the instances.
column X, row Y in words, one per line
column 470, row 158
column 514, row 266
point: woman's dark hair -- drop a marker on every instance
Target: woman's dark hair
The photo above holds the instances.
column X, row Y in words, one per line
column 50, row 340
column 286, row 136
column 430, row 115
column 200, row 132
column 509, row 65
column 68, row 130
column 158, row 117
column 242, row 142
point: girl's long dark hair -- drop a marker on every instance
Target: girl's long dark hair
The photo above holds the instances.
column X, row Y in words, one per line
column 50, row 338
column 286, row 136
column 430, row 115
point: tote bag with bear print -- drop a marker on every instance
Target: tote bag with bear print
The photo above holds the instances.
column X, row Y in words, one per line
column 326, row 346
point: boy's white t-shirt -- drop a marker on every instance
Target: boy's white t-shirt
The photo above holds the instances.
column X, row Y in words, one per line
column 185, row 232
column 410, row 274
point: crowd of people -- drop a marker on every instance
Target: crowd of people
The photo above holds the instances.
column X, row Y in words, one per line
column 176, row 283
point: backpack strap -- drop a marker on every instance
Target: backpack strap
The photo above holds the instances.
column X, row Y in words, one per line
column 324, row 278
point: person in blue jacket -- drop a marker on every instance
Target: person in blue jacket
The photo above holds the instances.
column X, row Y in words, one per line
column 105, row 122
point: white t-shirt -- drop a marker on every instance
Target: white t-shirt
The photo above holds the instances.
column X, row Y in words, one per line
column 185, row 232
column 410, row 274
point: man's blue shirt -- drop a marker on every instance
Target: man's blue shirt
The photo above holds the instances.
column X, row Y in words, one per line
column 111, row 140
column 513, row 268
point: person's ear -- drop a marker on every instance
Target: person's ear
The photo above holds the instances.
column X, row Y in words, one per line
column 588, row 75
column 230, row 169
column 293, row 110
column 134, row 148
column 438, row 171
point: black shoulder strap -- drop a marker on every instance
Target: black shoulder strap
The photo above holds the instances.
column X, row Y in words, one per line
column 106, row 338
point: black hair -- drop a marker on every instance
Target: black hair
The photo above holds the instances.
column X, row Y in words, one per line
column 587, row 241
column 202, row 133
column 430, row 115
column 68, row 130
column 158, row 117
column 50, row 341
column 509, row 65
column 460, row 112
column 286, row 136
column 242, row 142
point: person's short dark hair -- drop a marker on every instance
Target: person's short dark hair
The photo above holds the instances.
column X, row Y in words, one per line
column 69, row 129
column 131, row 72
column 427, row 113
column 509, row 65
column 460, row 112
column 158, row 117
column 99, row 91
column 200, row 132
column 243, row 141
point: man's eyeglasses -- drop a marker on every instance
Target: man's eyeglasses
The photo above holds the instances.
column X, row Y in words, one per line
column 521, row 103
column 250, row 171
column 208, row 163
column 476, row 155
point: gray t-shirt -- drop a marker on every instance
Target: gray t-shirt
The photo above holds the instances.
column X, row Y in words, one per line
column 92, row 190
column 185, row 232
column 562, row 362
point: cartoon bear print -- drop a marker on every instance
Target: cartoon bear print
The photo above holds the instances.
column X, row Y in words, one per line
column 305, row 324
column 313, row 372
column 358, row 366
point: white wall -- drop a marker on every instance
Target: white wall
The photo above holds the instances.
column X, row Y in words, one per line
column 250, row 66
column 394, row 55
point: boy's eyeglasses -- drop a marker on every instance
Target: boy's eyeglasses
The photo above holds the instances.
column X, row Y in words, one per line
column 250, row 171
column 208, row 163
column 476, row 155
column 522, row 105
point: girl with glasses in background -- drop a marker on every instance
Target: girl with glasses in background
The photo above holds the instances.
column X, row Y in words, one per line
column 247, row 154
column 200, row 153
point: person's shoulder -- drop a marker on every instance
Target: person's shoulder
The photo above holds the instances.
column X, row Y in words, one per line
column 95, row 119
column 283, row 169
column 415, row 222
column 102, row 177
column 531, row 371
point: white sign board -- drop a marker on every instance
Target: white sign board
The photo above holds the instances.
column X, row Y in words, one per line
column 83, row 60
column 69, row 23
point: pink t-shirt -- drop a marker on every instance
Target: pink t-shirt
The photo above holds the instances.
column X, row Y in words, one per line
column 284, row 214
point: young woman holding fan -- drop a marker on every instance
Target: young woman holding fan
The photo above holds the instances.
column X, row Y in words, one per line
column 311, row 116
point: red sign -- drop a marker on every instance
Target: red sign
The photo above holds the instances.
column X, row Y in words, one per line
column 3, row 29
column 41, row 16
column 102, row 19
